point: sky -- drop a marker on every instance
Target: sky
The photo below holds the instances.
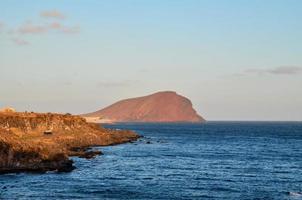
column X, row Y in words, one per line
column 234, row 59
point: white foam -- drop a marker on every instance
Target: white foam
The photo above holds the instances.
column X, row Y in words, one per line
column 296, row 194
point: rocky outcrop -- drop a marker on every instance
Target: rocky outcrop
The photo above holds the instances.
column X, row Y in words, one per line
column 19, row 156
column 158, row 107
column 7, row 109
column 25, row 146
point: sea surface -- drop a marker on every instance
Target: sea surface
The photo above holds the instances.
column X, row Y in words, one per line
column 215, row 160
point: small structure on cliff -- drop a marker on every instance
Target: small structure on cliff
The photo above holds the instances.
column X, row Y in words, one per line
column 48, row 132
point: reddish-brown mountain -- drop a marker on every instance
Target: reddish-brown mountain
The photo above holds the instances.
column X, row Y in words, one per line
column 158, row 107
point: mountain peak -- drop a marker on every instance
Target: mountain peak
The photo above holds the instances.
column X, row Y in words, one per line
column 165, row 92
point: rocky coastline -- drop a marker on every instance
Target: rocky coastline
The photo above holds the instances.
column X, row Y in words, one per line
column 40, row 142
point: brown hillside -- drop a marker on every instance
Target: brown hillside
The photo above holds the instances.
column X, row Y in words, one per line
column 158, row 107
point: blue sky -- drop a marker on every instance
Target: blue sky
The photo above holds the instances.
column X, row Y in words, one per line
column 236, row 60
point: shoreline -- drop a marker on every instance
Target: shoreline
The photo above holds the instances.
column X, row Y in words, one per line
column 41, row 142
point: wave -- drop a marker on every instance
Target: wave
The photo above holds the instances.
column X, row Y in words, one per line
column 296, row 194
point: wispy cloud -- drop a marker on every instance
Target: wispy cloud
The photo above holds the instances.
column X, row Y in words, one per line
column 70, row 30
column 52, row 14
column 44, row 27
column 281, row 70
column 286, row 70
column 55, row 26
column 64, row 29
column 20, row 42
column 29, row 28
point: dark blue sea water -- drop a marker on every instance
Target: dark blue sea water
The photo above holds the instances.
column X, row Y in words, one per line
column 215, row 160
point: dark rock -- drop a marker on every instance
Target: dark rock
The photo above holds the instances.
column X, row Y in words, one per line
column 48, row 132
column 90, row 154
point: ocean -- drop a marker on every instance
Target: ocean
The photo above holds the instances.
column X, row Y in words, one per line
column 214, row 160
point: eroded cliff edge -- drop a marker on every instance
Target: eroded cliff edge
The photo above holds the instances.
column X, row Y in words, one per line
column 43, row 142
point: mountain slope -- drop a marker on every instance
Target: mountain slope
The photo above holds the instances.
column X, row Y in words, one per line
column 159, row 107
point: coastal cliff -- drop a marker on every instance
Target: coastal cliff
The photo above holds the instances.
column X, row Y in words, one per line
column 165, row 106
column 43, row 142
